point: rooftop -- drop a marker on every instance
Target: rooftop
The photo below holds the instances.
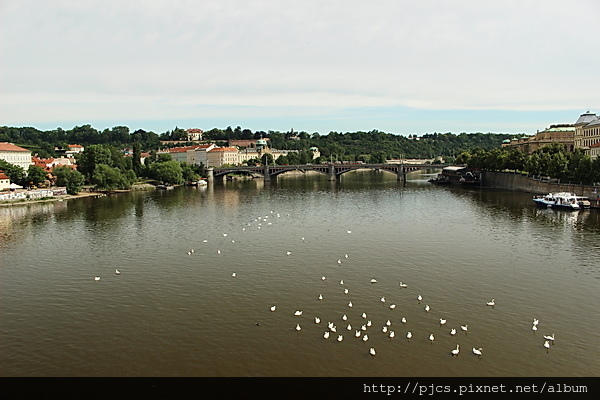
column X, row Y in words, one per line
column 586, row 118
column 5, row 146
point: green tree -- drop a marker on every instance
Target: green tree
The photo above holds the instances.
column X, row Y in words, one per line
column 266, row 159
column 168, row 172
column 189, row 173
column 110, row 178
column 36, row 175
column 14, row 172
column 73, row 180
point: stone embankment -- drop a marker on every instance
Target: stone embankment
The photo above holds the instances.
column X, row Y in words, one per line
column 524, row 183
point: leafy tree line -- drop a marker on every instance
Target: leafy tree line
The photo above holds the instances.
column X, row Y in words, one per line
column 551, row 160
column 349, row 146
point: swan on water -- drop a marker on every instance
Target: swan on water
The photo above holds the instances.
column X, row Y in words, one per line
column 298, row 312
column 534, row 328
column 547, row 345
column 427, row 308
column 118, row 272
column 442, row 321
column 392, row 334
column 350, row 304
column 453, row 331
column 349, row 327
column 344, row 317
column 431, row 338
column 345, row 291
column 477, row 351
column 340, row 338
column 298, row 328
column 403, row 320
column 419, row 297
column 233, row 274
column 326, row 335
column 317, row 320
column 320, row 297
column 373, row 280
column 388, row 322
column 384, row 329
column 383, row 299
column 372, row 351
column 392, row 306
column 364, row 315
column 464, row 328
column 273, row 308
column 549, row 338
column 365, row 338
column 491, row 303
column 403, row 285
column 408, row 335
column 357, row 334
column 455, row 351
column 96, row 278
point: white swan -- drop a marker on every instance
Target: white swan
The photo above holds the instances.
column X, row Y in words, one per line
column 298, row 312
column 491, row 303
column 345, row 255
column 326, row 335
column 364, row 315
column 349, row 327
column 442, row 321
column 431, row 338
column 384, row 329
column 320, row 297
column 345, row 291
column 403, row 320
column 536, row 321
column 547, row 345
column 273, row 308
column 388, row 322
column 464, row 328
column 373, row 280
column 549, row 337
column 365, row 337
column 403, row 285
column 288, row 252
column 322, row 278
column 96, row 278
column 453, row 331
column 350, row 304
column 534, row 328
column 344, row 317
column 234, row 274
column 392, row 306
column 369, row 323
column 455, row 351
column 298, row 328
column 419, row 297
column 477, row 351
column 357, row 334
column 427, row 308
column 340, row 338
column 317, row 320
column 383, row 299
column 339, row 260
column 408, row 335
column 342, row 282
column 372, row 351
column 392, row 334
column 118, row 272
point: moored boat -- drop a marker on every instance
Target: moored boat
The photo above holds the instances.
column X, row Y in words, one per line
column 563, row 200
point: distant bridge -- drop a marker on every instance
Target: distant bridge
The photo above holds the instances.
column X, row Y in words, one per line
column 333, row 171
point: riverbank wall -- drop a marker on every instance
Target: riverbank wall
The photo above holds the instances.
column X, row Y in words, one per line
column 524, row 183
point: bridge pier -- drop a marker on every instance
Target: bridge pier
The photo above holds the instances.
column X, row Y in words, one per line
column 210, row 174
column 331, row 175
column 267, row 175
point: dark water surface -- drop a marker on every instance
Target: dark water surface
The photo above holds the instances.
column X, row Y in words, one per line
column 173, row 314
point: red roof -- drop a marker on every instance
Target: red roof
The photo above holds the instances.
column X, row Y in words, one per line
column 224, row 149
column 194, row 130
column 3, row 176
column 75, row 146
column 5, row 146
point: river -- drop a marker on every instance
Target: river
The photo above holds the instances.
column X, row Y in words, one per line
column 176, row 308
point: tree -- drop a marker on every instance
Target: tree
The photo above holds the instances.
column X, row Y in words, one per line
column 110, row 178
column 188, row 172
column 71, row 179
column 267, row 159
column 36, row 175
column 14, row 172
column 168, row 172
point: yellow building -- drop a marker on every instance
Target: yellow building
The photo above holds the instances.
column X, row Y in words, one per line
column 587, row 134
column 560, row 133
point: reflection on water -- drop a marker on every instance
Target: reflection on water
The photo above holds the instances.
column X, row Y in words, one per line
column 174, row 312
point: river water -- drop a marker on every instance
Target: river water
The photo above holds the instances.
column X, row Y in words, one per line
column 174, row 312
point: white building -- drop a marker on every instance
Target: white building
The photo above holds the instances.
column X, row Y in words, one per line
column 15, row 155
column 587, row 134
column 4, row 181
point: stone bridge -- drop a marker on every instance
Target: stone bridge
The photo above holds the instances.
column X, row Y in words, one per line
column 333, row 171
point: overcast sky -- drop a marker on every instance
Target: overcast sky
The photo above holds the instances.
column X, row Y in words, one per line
column 397, row 66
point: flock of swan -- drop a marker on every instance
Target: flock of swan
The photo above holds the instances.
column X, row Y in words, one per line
column 361, row 330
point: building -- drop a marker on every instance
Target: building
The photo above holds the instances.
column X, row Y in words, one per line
column 15, row 155
column 587, row 134
column 193, row 155
column 219, row 156
column 4, row 181
column 74, row 149
column 560, row 133
column 194, row 134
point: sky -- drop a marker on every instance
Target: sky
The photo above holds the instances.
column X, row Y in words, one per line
column 402, row 67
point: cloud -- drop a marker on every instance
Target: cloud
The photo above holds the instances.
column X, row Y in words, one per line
column 104, row 59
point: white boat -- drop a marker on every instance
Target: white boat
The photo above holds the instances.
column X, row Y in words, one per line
column 564, row 200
